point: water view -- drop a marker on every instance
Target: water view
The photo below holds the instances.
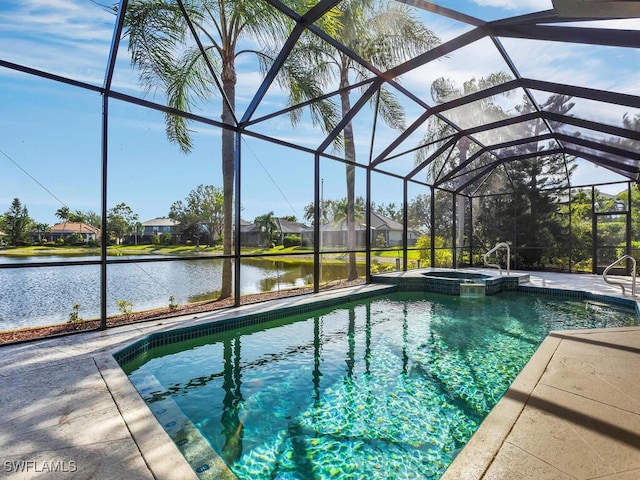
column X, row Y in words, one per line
column 32, row 297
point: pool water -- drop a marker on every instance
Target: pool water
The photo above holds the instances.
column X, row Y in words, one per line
column 383, row 388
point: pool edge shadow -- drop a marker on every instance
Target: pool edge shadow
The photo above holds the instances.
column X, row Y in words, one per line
column 476, row 457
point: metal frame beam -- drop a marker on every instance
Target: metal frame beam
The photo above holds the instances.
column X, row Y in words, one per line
column 587, row 36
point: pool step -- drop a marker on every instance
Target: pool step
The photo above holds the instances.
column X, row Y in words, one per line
column 204, row 460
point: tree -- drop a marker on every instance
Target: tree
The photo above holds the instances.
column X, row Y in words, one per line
column 630, row 123
column 17, row 223
column 63, row 214
column 341, row 210
column 121, row 221
column 202, row 208
column 530, row 211
column 267, row 225
column 419, row 213
column 168, row 61
column 40, row 228
column 325, row 209
column 388, row 210
column 90, row 218
column 383, row 34
column 535, row 182
column 477, row 113
column 77, row 217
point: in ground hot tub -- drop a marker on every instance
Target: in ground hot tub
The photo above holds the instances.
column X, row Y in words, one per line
column 456, row 282
column 449, row 281
column 457, row 275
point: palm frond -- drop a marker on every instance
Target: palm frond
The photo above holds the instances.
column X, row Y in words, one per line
column 154, row 29
column 390, row 109
column 191, row 83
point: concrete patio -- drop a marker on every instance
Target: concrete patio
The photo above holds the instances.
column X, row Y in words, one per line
column 68, row 411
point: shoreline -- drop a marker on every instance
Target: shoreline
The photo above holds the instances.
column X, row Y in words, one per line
column 33, row 333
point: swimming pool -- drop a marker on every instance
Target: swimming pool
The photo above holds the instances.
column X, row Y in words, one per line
column 380, row 388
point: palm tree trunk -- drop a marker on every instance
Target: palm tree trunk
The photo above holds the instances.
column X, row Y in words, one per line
column 228, row 172
column 350, row 157
column 460, row 204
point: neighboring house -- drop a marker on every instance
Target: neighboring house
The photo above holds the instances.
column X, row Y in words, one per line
column 385, row 228
column 65, row 229
column 251, row 236
column 158, row 226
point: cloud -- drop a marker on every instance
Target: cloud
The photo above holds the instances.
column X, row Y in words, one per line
column 536, row 5
column 58, row 20
column 58, row 36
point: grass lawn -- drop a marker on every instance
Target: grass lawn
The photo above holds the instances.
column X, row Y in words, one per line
column 304, row 253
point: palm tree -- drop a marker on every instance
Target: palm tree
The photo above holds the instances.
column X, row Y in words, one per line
column 80, row 218
column 484, row 111
column 384, row 34
column 267, row 225
column 158, row 31
column 63, row 213
column 340, row 209
column 39, row 229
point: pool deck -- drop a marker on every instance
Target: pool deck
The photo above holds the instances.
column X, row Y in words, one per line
column 68, row 411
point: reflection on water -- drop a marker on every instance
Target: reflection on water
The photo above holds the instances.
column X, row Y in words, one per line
column 46, row 295
column 364, row 390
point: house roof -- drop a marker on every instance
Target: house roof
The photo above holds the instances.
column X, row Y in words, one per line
column 378, row 222
column 74, row 227
column 284, row 226
column 160, row 222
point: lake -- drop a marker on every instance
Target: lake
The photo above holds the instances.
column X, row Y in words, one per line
column 40, row 296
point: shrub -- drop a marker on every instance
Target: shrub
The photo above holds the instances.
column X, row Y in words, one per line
column 126, row 308
column 173, row 306
column 444, row 256
column 292, row 241
column 166, row 238
column 381, row 267
column 381, row 240
column 74, row 239
column 74, row 316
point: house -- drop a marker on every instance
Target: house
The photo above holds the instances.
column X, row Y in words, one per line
column 159, row 226
column 251, row 236
column 65, row 229
column 384, row 232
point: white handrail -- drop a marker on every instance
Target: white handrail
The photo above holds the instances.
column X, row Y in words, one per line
column 499, row 245
column 633, row 275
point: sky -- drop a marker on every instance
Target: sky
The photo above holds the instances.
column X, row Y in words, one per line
column 50, row 133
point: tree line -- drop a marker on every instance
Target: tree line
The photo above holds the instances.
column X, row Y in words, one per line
column 20, row 229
